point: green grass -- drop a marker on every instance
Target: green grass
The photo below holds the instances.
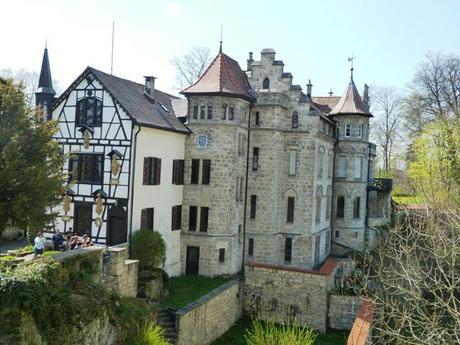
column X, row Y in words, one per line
column 235, row 335
column 186, row 289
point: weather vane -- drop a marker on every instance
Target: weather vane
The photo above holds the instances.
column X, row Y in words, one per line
column 351, row 59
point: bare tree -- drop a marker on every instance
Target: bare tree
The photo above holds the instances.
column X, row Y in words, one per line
column 388, row 107
column 413, row 278
column 435, row 90
column 190, row 66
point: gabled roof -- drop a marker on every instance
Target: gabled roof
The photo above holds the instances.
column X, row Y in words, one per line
column 45, row 83
column 157, row 113
column 350, row 102
column 325, row 103
column 223, row 76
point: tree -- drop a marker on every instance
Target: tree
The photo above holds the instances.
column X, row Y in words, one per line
column 387, row 106
column 190, row 66
column 31, row 179
column 413, row 278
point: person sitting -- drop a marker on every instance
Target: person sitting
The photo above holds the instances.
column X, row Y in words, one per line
column 73, row 242
column 87, row 241
column 58, row 241
column 39, row 244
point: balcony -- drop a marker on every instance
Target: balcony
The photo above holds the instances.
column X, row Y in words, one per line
column 380, row 184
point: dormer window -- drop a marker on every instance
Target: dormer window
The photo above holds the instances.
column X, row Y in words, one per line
column 348, row 130
column 266, row 83
column 89, row 112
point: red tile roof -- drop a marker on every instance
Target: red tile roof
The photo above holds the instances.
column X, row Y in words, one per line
column 223, row 76
column 350, row 102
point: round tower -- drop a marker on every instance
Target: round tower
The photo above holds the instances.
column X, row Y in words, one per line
column 215, row 167
column 351, row 170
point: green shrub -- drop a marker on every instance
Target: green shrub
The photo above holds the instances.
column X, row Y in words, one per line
column 149, row 248
column 269, row 333
column 152, row 335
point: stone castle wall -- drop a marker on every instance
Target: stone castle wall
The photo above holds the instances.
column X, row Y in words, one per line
column 281, row 294
column 343, row 310
column 204, row 320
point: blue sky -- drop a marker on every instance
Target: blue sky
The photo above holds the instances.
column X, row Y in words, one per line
column 313, row 38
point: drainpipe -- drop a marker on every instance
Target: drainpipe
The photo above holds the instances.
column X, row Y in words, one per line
column 132, row 189
column 246, row 189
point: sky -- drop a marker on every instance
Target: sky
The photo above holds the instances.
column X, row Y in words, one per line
column 313, row 38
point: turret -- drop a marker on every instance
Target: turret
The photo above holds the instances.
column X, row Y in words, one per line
column 44, row 96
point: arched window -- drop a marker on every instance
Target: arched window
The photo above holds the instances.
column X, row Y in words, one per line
column 356, row 207
column 340, row 206
column 360, row 130
column 319, row 192
column 224, row 111
column 295, row 119
column 266, row 84
column 89, row 112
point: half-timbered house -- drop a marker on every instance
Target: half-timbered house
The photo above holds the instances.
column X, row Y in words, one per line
column 125, row 150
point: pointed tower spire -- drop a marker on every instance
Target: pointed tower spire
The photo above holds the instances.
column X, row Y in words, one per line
column 45, row 93
column 221, row 34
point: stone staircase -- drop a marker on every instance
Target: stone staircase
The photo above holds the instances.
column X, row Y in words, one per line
column 167, row 321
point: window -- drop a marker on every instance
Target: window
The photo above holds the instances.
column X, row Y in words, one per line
column 224, row 112
column 292, row 162
column 231, row 114
column 358, row 166
column 320, row 162
column 360, row 130
column 288, row 249
column 319, row 192
column 257, row 119
column 89, row 112
column 327, row 243
column 176, row 217
column 251, row 247
column 204, row 217
column 195, row 171
column 340, row 206
column 356, row 206
column 329, row 201
column 221, row 255
column 290, row 210
column 266, row 83
column 239, row 145
column 206, row 171
column 253, row 206
column 178, row 171
column 255, row 158
column 195, row 111
column 86, row 168
column 82, row 217
column 317, row 246
column 192, row 218
column 209, row 111
column 152, row 171
column 337, row 234
column 347, row 130
column 202, row 112
column 342, row 167
column 147, row 218
column 295, row 119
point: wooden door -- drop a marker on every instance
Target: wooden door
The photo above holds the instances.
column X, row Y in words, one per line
column 193, row 260
column 117, row 227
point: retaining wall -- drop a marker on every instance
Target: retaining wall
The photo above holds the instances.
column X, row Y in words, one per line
column 343, row 310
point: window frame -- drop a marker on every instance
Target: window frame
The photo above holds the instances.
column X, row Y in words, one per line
column 176, row 217
column 148, row 218
column 206, row 172
column 290, row 210
column 78, row 159
column 348, row 130
column 97, row 116
column 255, row 158
column 340, row 207
column 288, row 250
column 204, row 219
column 193, row 211
column 195, row 171
column 253, row 207
column 295, row 120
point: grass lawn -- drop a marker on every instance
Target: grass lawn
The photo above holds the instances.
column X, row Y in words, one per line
column 186, row 289
column 235, row 335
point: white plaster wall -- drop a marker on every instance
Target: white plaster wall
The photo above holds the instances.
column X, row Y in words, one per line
column 168, row 146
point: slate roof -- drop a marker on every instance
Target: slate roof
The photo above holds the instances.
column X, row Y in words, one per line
column 223, row 76
column 325, row 103
column 350, row 102
column 130, row 96
column 45, row 83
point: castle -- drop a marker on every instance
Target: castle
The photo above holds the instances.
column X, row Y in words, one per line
column 254, row 169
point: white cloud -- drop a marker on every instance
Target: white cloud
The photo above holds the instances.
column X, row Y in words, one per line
column 174, row 8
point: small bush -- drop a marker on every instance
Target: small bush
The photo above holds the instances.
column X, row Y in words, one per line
column 149, row 248
column 152, row 335
column 269, row 333
column 12, row 234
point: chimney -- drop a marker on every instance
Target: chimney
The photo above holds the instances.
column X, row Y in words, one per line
column 149, row 86
column 366, row 96
column 249, row 61
column 309, row 86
